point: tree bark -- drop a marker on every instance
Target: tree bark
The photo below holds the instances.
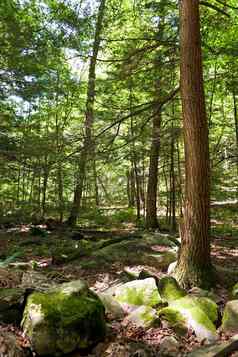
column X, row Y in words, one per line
column 172, row 184
column 151, row 198
column 95, row 179
column 194, row 263
column 236, row 130
column 89, row 118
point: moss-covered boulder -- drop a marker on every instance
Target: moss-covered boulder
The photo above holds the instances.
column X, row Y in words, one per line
column 208, row 306
column 138, row 292
column 134, row 250
column 64, row 319
column 199, row 314
column 174, row 319
column 11, row 305
column 169, row 289
column 143, row 316
column 161, row 239
column 230, row 317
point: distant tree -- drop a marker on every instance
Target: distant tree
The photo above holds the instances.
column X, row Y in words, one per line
column 89, row 118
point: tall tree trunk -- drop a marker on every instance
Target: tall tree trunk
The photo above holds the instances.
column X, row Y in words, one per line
column 137, row 182
column 132, row 186
column 46, row 172
column 128, row 189
column 95, row 179
column 194, row 263
column 180, row 183
column 236, row 130
column 166, row 192
column 60, row 188
column 151, row 198
column 172, row 183
column 89, row 118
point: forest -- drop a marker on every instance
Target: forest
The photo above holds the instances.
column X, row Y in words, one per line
column 118, row 178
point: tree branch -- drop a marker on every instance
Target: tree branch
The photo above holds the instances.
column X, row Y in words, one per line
column 214, row 7
column 226, row 5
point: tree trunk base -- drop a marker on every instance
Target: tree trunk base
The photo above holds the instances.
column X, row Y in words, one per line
column 71, row 221
column 152, row 224
column 189, row 275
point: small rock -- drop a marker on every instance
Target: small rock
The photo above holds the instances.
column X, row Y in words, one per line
column 174, row 319
column 169, row 346
column 129, row 349
column 162, row 260
column 112, row 307
column 230, row 317
column 169, row 289
column 222, row 349
column 198, row 292
column 171, row 267
column 144, row 317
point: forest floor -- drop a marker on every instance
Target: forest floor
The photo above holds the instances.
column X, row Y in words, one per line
column 120, row 256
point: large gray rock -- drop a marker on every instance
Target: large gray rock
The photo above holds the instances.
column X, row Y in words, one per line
column 112, row 308
column 138, row 251
column 230, row 317
column 64, row 319
column 136, row 293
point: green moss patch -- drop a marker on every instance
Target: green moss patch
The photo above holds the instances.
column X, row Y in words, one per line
column 169, row 289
